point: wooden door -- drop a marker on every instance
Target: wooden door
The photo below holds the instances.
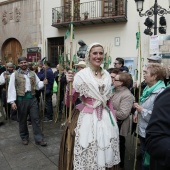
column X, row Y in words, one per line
column 11, row 50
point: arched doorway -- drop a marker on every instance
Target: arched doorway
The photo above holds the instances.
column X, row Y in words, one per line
column 11, row 50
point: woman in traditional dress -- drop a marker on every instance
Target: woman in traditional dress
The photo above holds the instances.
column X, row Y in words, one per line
column 96, row 141
column 96, row 144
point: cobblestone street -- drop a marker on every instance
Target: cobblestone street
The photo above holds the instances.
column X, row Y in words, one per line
column 16, row 156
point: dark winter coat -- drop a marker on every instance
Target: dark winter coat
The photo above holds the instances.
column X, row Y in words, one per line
column 158, row 130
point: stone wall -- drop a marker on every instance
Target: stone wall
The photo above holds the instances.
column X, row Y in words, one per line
column 21, row 20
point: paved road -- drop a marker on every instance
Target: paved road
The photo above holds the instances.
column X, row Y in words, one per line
column 15, row 156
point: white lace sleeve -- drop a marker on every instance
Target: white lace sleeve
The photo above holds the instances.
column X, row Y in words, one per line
column 80, row 86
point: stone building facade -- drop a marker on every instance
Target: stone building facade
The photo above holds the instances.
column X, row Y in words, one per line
column 20, row 28
column 30, row 24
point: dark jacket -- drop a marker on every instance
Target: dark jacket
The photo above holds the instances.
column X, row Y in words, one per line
column 158, row 130
column 50, row 78
column 2, row 69
column 124, row 68
column 63, row 84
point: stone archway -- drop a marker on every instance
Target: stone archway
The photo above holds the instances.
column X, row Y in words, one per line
column 11, row 50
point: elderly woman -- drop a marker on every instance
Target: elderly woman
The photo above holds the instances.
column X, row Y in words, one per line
column 154, row 75
column 96, row 134
column 122, row 100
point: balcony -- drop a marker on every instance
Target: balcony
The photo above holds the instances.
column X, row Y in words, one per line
column 90, row 13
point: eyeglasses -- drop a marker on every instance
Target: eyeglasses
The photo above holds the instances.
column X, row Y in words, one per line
column 116, row 63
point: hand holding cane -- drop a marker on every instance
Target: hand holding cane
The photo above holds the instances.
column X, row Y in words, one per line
column 70, row 87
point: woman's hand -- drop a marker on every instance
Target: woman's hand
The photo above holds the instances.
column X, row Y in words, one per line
column 138, row 107
column 69, row 76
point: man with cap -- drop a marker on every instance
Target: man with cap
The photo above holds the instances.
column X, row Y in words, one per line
column 21, row 96
column 4, row 78
column 81, row 65
column 154, row 59
column 157, row 59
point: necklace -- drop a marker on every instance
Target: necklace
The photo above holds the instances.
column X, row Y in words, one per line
column 96, row 70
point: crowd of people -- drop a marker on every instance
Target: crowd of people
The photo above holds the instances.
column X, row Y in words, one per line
column 102, row 100
column 101, row 122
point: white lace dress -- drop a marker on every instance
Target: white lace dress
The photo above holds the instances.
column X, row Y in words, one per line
column 97, row 136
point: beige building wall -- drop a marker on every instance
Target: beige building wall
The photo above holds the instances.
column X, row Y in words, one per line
column 34, row 20
column 106, row 33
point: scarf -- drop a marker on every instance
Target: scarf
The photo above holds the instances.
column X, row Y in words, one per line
column 168, row 84
column 148, row 90
column 23, row 72
column 88, row 87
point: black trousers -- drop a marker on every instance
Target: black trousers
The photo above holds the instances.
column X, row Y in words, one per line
column 49, row 106
column 25, row 107
column 156, row 165
column 122, row 146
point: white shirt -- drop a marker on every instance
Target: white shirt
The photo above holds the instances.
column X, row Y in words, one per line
column 2, row 79
column 12, row 89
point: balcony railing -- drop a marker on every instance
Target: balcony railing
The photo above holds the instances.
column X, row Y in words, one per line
column 93, row 12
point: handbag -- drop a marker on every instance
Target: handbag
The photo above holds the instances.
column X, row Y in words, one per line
column 146, row 159
column 55, row 87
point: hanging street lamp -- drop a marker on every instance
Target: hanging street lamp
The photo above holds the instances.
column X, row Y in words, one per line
column 155, row 10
